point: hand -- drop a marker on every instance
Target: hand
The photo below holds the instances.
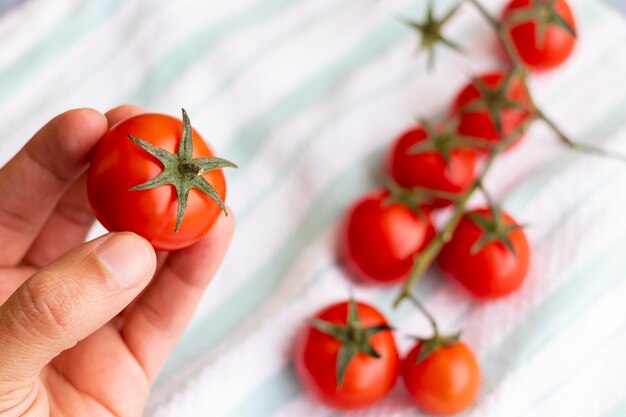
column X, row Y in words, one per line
column 65, row 349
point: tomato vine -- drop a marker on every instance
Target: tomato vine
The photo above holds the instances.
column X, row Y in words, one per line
column 517, row 70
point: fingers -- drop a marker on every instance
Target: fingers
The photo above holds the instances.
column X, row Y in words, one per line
column 123, row 112
column 70, row 299
column 33, row 181
column 163, row 311
column 69, row 223
column 103, row 356
column 119, row 320
column 66, row 227
column 12, row 278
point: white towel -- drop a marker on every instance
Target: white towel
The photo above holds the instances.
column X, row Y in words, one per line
column 305, row 96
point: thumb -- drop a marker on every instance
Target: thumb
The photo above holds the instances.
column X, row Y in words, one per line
column 69, row 299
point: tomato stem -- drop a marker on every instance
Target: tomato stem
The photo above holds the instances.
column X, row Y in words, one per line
column 436, row 341
column 488, row 198
column 483, row 11
column 182, row 171
column 416, row 302
column 424, row 259
column 577, row 146
column 500, row 29
column 415, row 197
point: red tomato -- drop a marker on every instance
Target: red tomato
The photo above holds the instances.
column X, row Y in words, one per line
column 428, row 168
column 120, row 164
column 379, row 239
column 366, row 379
column 445, row 382
column 557, row 44
column 493, row 270
column 479, row 122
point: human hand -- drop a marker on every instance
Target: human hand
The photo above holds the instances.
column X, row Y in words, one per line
column 81, row 331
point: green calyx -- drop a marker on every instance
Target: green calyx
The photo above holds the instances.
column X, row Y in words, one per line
column 436, row 341
column 430, row 31
column 495, row 99
column 430, row 345
column 412, row 198
column 542, row 12
column 353, row 337
column 495, row 229
column 443, row 141
column 415, row 198
column 182, row 171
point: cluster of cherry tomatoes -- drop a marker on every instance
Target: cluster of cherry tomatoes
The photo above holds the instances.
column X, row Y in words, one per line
column 346, row 356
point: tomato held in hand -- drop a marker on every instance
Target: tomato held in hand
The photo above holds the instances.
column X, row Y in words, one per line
column 487, row 254
column 152, row 174
column 542, row 32
column 492, row 107
column 380, row 238
column 434, row 160
column 346, row 357
column 445, row 382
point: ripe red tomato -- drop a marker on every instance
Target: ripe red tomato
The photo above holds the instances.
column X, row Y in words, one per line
column 379, row 239
column 429, row 169
column 445, row 382
column 479, row 257
column 120, row 164
column 367, row 379
column 479, row 114
column 557, row 44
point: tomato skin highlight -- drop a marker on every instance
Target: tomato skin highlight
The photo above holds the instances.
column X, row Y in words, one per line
column 119, row 164
column 558, row 44
column 446, row 382
column 479, row 124
column 494, row 271
column 378, row 239
column 428, row 169
column 367, row 379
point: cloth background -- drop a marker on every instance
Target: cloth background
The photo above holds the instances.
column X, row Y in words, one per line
column 305, row 96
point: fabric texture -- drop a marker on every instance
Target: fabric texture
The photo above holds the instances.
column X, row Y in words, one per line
column 306, row 96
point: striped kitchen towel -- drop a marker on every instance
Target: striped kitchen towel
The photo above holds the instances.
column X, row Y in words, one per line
column 305, row 96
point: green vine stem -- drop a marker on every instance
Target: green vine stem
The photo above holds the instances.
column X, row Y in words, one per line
column 501, row 31
column 576, row 146
column 490, row 202
column 426, row 258
column 437, row 340
column 492, row 20
column 426, row 313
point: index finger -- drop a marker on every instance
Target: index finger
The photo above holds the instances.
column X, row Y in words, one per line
column 34, row 180
column 70, row 221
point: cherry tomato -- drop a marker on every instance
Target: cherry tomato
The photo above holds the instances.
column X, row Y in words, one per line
column 445, row 382
column 557, row 44
column 444, row 166
column 490, row 258
column 476, row 109
column 380, row 238
column 366, row 379
column 120, row 164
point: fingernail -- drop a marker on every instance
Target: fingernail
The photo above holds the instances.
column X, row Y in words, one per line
column 128, row 258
